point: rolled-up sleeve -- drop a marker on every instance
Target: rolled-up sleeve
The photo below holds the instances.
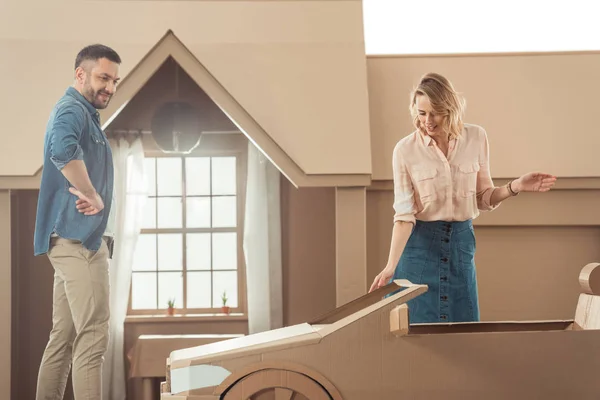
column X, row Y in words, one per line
column 404, row 200
column 485, row 185
column 66, row 131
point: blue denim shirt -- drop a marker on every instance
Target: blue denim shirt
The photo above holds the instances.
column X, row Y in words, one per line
column 73, row 132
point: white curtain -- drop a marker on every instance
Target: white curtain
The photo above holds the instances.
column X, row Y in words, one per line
column 262, row 244
column 130, row 196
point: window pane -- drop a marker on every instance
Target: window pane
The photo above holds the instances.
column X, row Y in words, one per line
column 170, row 251
column 223, row 175
column 224, row 212
column 198, row 251
column 198, row 212
column 143, row 290
column 197, row 176
column 169, row 173
column 225, row 281
column 144, row 257
column 149, row 221
column 170, row 286
column 150, row 172
column 224, row 250
column 169, row 212
column 198, row 290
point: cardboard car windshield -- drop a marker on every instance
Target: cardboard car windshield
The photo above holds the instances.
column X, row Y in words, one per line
column 367, row 349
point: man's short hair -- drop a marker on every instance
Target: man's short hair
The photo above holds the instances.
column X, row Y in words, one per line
column 95, row 52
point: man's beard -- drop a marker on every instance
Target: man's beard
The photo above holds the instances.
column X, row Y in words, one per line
column 92, row 96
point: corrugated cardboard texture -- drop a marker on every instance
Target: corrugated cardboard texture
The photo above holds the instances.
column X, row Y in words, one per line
column 363, row 359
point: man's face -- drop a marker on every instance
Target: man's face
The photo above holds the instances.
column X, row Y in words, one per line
column 97, row 81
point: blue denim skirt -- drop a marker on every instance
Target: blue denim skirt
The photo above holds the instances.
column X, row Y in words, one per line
column 441, row 255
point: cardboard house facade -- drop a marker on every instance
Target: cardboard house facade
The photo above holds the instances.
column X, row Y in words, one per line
column 295, row 78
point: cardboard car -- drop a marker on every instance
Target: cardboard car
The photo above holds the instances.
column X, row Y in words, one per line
column 368, row 350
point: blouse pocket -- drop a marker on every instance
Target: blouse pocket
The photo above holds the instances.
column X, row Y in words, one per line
column 425, row 183
column 466, row 182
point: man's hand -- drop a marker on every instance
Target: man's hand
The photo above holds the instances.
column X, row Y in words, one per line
column 88, row 205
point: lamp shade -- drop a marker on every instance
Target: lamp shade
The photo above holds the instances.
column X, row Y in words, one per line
column 176, row 127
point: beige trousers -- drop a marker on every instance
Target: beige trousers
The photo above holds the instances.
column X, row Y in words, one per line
column 80, row 315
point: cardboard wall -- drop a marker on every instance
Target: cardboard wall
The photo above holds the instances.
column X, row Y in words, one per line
column 31, row 306
column 534, row 107
column 308, row 251
column 5, row 293
column 303, row 77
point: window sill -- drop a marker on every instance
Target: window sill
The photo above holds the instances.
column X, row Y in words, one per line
column 164, row 318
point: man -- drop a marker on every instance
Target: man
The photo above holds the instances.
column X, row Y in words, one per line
column 77, row 180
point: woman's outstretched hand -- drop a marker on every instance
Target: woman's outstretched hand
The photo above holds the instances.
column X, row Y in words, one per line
column 382, row 279
column 534, row 182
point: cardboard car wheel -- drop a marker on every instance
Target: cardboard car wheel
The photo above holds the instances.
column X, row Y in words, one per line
column 276, row 384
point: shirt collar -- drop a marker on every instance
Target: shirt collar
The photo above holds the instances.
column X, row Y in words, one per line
column 428, row 141
column 71, row 91
column 426, row 138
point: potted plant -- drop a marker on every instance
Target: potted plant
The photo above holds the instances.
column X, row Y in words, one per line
column 171, row 306
column 224, row 306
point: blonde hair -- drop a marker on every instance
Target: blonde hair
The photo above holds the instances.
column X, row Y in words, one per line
column 444, row 100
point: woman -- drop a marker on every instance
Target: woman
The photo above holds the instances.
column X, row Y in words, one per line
column 441, row 182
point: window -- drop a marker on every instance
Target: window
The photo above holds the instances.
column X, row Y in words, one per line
column 474, row 26
column 189, row 248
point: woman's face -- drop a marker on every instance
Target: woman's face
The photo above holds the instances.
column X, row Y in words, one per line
column 431, row 122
